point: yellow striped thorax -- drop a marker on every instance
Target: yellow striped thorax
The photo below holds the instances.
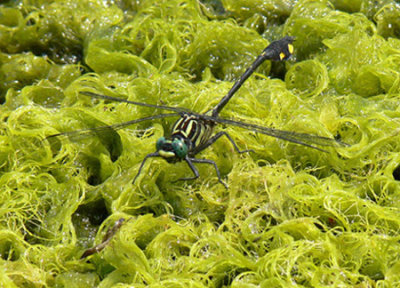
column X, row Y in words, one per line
column 192, row 128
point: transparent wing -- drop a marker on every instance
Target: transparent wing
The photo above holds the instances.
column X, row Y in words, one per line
column 305, row 139
column 94, row 130
column 116, row 99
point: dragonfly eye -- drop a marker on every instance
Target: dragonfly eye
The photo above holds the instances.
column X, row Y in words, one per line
column 180, row 148
column 166, row 149
column 160, row 143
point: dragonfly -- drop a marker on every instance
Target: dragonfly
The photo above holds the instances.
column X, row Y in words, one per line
column 193, row 132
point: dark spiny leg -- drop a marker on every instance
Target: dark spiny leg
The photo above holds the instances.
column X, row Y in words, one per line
column 219, row 135
column 156, row 154
column 207, row 161
column 190, row 162
column 193, row 168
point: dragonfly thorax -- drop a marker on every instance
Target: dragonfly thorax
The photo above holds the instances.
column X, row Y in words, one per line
column 172, row 150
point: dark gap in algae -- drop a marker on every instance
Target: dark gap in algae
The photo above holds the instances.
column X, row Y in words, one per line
column 87, row 219
column 57, row 53
column 111, row 141
column 94, row 170
column 278, row 70
column 231, row 275
column 320, row 227
column 396, row 173
column 269, row 220
column 96, row 212
column 8, row 251
column 93, row 179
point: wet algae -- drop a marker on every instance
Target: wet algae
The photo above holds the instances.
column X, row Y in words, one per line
column 292, row 216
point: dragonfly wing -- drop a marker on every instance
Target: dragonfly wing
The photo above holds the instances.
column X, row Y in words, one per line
column 305, row 139
column 107, row 135
column 95, row 130
column 116, row 99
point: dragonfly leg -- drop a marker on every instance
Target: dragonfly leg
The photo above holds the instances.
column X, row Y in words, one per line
column 193, row 168
column 155, row 154
column 219, row 135
column 190, row 162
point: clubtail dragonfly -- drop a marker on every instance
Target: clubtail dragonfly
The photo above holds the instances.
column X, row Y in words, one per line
column 192, row 132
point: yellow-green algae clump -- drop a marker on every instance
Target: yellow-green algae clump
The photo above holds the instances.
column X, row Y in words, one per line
column 292, row 216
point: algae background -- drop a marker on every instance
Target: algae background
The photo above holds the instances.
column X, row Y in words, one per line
column 292, row 217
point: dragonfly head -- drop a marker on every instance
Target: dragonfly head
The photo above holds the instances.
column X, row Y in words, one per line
column 172, row 150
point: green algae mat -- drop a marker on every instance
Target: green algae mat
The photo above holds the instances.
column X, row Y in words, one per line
column 292, row 216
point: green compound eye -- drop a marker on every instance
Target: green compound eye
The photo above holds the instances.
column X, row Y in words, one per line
column 180, row 148
column 160, row 143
